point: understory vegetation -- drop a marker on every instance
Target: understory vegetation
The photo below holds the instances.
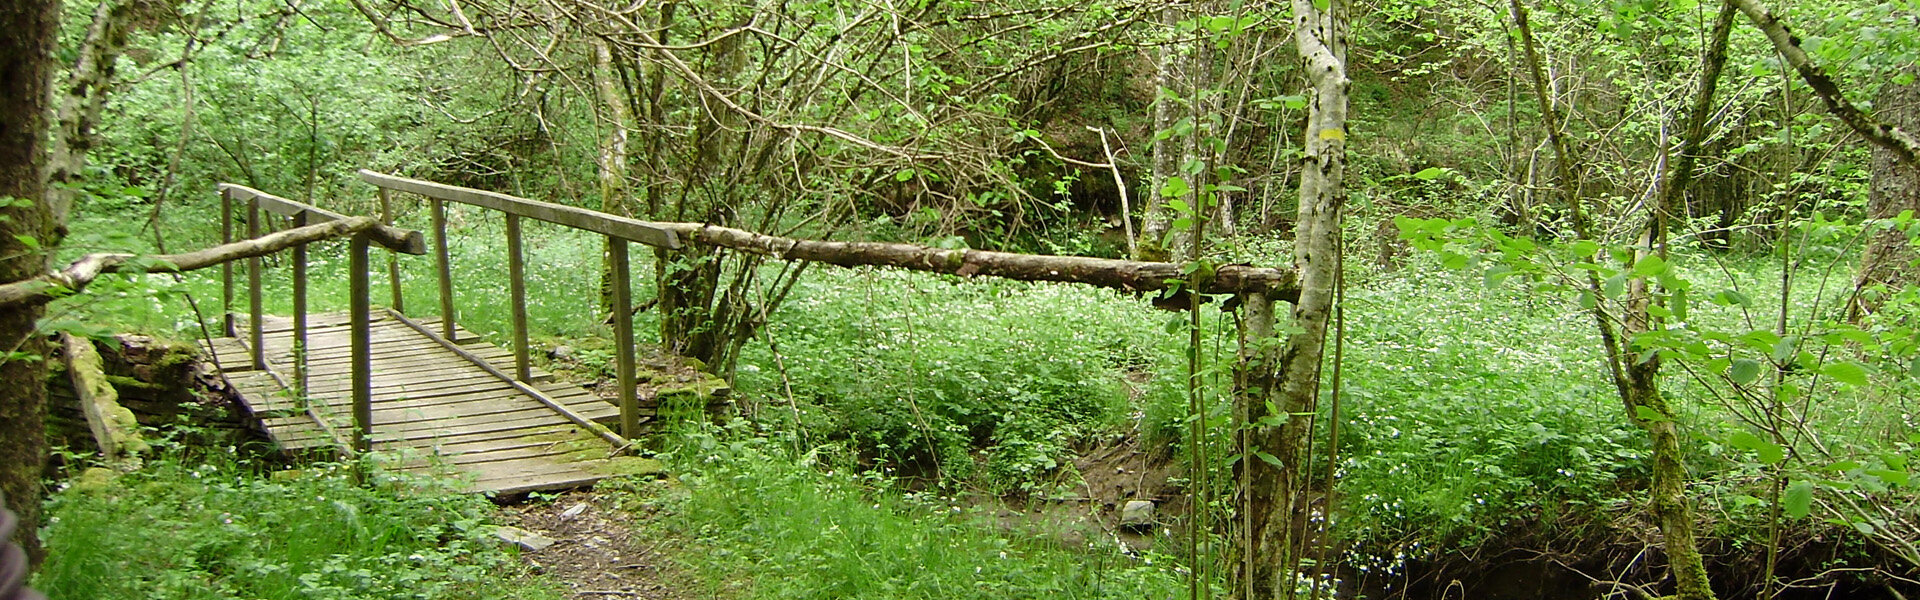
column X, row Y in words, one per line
column 1562, row 325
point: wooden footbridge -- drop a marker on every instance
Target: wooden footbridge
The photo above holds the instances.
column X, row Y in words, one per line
column 427, row 393
column 431, row 396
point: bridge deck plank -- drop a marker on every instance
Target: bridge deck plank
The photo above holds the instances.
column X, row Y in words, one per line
column 430, row 406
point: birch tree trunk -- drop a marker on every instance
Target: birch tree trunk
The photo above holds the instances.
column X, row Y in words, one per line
column 618, row 118
column 1272, row 496
column 1156, row 217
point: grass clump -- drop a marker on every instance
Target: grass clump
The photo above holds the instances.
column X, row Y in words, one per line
column 773, row 525
column 207, row 528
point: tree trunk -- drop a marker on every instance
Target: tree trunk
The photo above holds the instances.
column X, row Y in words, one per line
column 613, row 158
column 1156, row 216
column 1273, row 493
column 80, row 98
column 26, row 66
column 1888, row 258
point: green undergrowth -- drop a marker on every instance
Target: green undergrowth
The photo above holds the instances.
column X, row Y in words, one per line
column 202, row 526
column 974, row 380
column 764, row 522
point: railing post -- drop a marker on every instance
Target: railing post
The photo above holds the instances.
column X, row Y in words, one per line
column 226, row 268
column 445, row 266
column 393, row 258
column 256, row 336
column 300, row 314
column 623, row 336
column 517, row 284
column 362, row 339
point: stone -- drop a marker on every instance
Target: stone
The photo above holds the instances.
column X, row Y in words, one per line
column 560, row 353
column 526, row 540
column 574, row 511
column 1137, row 514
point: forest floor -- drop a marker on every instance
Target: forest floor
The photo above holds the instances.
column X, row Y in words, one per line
column 598, row 550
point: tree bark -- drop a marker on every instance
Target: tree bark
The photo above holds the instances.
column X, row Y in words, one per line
column 26, row 66
column 74, row 278
column 1888, row 258
column 80, row 98
column 1102, row 272
column 1156, row 217
column 613, row 157
column 1273, row 493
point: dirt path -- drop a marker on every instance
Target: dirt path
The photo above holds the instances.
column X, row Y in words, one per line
column 594, row 551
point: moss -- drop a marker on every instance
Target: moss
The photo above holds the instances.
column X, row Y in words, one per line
column 128, row 383
column 94, row 480
column 629, row 466
column 704, row 391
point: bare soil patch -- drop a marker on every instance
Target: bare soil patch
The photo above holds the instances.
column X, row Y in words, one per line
column 596, row 553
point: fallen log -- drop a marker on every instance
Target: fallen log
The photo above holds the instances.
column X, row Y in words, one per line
column 75, row 277
column 1103, row 272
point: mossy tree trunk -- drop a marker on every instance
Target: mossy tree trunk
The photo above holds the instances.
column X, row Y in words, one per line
column 26, row 63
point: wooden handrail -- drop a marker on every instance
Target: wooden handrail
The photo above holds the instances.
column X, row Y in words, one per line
column 365, row 231
column 649, row 233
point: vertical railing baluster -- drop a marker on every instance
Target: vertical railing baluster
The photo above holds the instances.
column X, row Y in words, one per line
column 623, row 336
column 226, row 268
column 300, row 314
column 517, row 283
column 362, row 338
column 393, row 258
column 257, row 336
column 446, row 267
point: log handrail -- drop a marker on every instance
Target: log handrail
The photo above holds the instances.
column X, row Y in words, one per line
column 651, row 234
column 618, row 230
column 1127, row 275
column 310, row 221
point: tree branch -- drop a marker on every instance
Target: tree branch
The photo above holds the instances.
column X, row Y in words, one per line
column 76, row 276
column 1102, row 272
column 1901, row 142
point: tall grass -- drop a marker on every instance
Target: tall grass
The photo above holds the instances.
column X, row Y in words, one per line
column 769, row 524
column 202, row 526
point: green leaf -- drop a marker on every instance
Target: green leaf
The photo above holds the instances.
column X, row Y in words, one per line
column 1179, row 205
column 1891, row 476
column 1863, row 527
column 1770, row 453
column 903, row 175
column 1744, row 370
column 1585, row 248
column 1615, row 286
column 1174, row 188
column 1649, row 266
column 1847, row 372
column 1268, row 458
column 1649, row 414
column 1798, row 500
column 1322, row 5
column 1429, row 173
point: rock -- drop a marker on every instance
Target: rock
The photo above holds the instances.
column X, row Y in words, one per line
column 526, row 540
column 560, row 353
column 575, row 511
column 1137, row 515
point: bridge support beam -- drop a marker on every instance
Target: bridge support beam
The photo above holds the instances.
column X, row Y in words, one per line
column 362, row 341
column 623, row 336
